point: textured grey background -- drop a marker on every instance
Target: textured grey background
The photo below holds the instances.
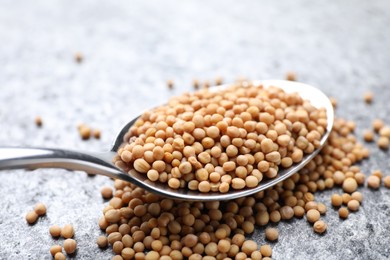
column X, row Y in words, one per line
column 131, row 48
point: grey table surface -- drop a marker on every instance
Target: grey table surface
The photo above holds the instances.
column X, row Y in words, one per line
column 131, row 48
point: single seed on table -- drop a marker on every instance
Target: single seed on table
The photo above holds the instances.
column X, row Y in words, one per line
column 55, row 231
column 290, row 75
column 353, row 205
column 266, row 250
column 85, row 132
column 102, row 241
column 55, row 249
column 38, row 121
column 78, row 57
column 271, row 234
column 386, row 181
column 368, row 97
column 97, row 133
column 383, row 142
column 195, row 83
column 336, row 200
column 350, row 185
column 313, row 215
column 368, row 136
column 106, row 192
column 321, row 208
column 319, row 227
column 70, row 246
column 377, row 124
column 373, row 182
column 343, row 213
column 67, row 231
column 40, row 209
column 31, row 217
column 385, row 131
column 170, row 83
column 378, row 173
column 59, row 256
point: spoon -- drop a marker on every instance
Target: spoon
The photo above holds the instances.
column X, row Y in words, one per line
column 101, row 163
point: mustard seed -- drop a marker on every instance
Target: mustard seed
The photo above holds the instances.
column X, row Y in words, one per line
column 55, row 249
column 349, row 185
column 313, row 215
column 319, row 227
column 368, row 136
column 373, row 182
column 271, row 234
column 343, row 213
column 85, row 132
column 106, row 192
column 385, row 131
column 70, row 246
column 368, row 97
column 249, row 246
column 357, row 196
column 353, row 205
column 377, row 124
column 170, row 83
column 55, row 231
column 102, row 241
column 40, row 209
column 266, row 250
column 78, row 57
column 59, row 256
column 31, row 217
column 336, row 200
column 291, row 76
column 38, row 121
column 383, row 142
column 97, row 133
column 67, row 231
column 386, row 181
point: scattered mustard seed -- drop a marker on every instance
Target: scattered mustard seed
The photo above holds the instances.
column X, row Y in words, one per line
column 291, row 76
column 353, row 205
column 266, row 250
column 350, row 185
column 40, row 209
column 67, row 231
column 38, row 121
column 97, row 133
column 85, row 132
column 386, row 181
column 78, row 57
column 368, row 136
column 106, row 192
column 343, row 213
column 59, row 256
column 319, row 227
column 385, row 131
column 336, row 200
column 31, row 217
column 70, row 246
column 102, row 241
column 170, row 83
column 55, row 249
column 373, row 182
column 377, row 124
column 271, row 234
column 383, row 142
column 55, row 231
column 195, row 84
column 368, row 97
column 313, row 215
column 218, row 80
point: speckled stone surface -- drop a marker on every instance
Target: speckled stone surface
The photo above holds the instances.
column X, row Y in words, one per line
column 130, row 50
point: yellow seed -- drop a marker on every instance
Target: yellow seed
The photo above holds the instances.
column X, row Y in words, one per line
column 40, row 209
column 70, row 246
column 55, row 249
column 319, row 227
column 343, row 213
column 55, row 231
column 31, row 217
column 67, row 231
column 38, row 121
column 373, row 182
column 271, row 234
column 368, row 97
column 141, row 165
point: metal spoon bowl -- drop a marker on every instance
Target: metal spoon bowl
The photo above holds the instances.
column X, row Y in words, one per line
column 101, row 163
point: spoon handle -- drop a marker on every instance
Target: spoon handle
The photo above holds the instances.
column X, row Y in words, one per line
column 34, row 158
